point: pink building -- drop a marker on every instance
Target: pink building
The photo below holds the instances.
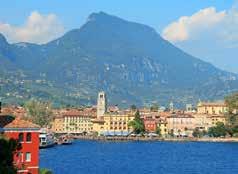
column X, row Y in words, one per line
column 181, row 124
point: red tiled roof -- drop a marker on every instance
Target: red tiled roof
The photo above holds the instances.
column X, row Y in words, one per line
column 11, row 122
column 79, row 113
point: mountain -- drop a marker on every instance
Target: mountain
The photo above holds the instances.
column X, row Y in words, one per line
column 130, row 61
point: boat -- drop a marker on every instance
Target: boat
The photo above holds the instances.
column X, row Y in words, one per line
column 46, row 139
column 67, row 141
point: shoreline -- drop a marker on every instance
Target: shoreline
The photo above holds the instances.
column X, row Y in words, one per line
column 121, row 139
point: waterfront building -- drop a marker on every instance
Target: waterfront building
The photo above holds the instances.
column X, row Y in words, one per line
column 205, row 121
column 150, row 125
column 98, row 126
column 212, row 108
column 162, row 125
column 27, row 158
column 113, row 124
column 101, row 104
column 214, row 119
column 201, row 121
column 73, row 121
column 209, row 113
column 58, row 124
column 180, row 124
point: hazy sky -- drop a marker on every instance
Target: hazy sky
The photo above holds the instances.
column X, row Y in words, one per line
column 207, row 29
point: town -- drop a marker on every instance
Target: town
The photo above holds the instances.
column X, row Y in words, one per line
column 105, row 122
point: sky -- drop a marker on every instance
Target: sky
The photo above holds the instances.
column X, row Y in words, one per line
column 207, row 29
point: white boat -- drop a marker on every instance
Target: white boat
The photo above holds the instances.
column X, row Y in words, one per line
column 46, row 139
column 67, row 141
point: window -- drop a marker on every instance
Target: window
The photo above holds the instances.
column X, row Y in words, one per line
column 20, row 137
column 28, row 137
column 28, row 156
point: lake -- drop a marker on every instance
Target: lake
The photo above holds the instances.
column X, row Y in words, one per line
column 94, row 157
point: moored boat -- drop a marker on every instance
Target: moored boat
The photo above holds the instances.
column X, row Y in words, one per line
column 46, row 139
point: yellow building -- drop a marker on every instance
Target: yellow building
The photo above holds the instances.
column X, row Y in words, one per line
column 98, row 125
column 205, row 121
column 113, row 124
column 73, row 121
column 214, row 119
column 58, row 125
column 162, row 124
column 216, row 108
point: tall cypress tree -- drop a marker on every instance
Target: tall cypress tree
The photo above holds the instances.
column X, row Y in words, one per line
column 137, row 124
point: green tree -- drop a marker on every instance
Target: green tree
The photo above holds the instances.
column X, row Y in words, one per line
column 137, row 124
column 39, row 112
column 232, row 116
column 218, row 130
column 8, row 147
column 158, row 131
column 171, row 133
column 198, row 134
column 232, row 102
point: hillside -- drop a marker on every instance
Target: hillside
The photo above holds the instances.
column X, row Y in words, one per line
column 130, row 61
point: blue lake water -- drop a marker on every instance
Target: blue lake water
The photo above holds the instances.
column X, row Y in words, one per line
column 92, row 157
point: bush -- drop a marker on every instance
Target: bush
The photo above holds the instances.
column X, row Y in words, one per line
column 217, row 131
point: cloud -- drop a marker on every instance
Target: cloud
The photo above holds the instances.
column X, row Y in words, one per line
column 187, row 27
column 38, row 28
column 208, row 34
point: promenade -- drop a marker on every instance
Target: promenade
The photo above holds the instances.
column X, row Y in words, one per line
column 188, row 139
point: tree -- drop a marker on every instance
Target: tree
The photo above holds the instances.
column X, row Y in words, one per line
column 39, row 112
column 158, row 131
column 217, row 131
column 8, row 147
column 198, row 134
column 232, row 102
column 137, row 124
column 232, row 116
column 171, row 133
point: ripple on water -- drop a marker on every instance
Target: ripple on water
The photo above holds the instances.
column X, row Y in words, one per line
column 92, row 157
